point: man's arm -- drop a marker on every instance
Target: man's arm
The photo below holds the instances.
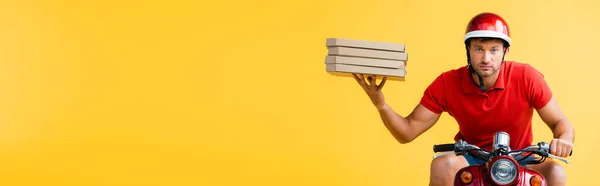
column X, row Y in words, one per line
column 407, row 129
column 564, row 134
column 403, row 129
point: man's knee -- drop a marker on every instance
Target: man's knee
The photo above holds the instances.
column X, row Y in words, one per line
column 552, row 171
column 443, row 169
column 444, row 162
column 555, row 171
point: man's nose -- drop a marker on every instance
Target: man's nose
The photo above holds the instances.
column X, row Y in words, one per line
column 487, row 57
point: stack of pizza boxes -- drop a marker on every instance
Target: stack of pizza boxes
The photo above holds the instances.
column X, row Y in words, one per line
column 348, row 56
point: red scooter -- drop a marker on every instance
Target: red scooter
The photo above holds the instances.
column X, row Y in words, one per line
column 502, row 166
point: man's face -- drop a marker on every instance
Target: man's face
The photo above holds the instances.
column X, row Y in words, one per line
column 486, row 56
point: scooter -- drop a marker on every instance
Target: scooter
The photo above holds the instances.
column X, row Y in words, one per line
column 502, row 165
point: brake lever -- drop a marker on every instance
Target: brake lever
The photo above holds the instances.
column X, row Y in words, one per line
column 558, row 158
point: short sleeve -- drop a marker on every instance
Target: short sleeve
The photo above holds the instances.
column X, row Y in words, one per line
column 539, row 93
column 433, row 97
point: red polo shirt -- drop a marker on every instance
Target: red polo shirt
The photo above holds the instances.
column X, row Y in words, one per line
column 507, row 107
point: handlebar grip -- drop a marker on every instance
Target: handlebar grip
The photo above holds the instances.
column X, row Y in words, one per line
column 443, row 147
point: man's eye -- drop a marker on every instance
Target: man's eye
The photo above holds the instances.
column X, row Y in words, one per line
column 479, row 50
column 494, row 50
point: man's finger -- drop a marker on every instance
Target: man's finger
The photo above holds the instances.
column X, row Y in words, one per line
column 362, row 79
column 356, row 78
column 565, row 152
column 382, row 83
column 565, row 149
column 373, row 82
column 362, row 82
column 553, row 147
column 569, row 151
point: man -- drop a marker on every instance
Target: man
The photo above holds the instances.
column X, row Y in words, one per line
column 486, row 96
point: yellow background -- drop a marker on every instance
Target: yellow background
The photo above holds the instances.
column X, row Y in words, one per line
column 235, row 93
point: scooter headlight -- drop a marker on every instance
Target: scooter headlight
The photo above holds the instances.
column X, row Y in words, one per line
column 503, row 171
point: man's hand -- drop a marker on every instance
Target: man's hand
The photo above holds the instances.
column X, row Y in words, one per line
column 372, row 89
column 561, row 147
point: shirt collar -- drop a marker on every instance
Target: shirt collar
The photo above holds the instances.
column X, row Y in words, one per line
column 469, row 86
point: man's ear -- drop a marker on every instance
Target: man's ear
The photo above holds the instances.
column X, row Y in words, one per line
column 506, row 50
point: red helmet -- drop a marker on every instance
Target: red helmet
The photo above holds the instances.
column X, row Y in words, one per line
column 488, row 25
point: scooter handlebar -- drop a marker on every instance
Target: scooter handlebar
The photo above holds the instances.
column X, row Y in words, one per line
column 443, row 147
